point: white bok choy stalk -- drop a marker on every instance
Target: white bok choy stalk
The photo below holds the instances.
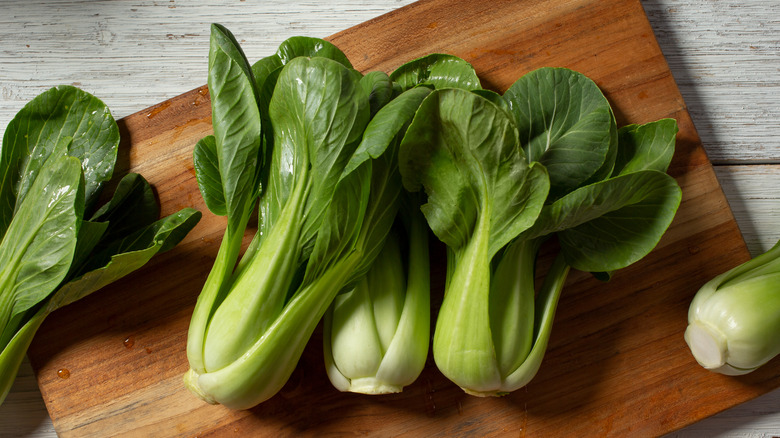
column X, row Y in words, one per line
column 377, row 333
column 734, row 319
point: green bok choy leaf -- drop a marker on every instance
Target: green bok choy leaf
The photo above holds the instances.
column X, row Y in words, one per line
column 56, row 247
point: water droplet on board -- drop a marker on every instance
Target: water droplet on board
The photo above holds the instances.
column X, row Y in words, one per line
column 129, row 342
column 63, row 373
column 430, row 404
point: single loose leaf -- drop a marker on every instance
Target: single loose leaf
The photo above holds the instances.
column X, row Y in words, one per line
column 645, row 147
column 612, row 224
column 236, row 122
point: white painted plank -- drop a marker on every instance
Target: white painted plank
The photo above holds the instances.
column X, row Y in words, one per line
column 725, row 57
column 753, row 193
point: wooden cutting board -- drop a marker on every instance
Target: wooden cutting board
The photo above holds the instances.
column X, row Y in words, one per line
column 617, row 365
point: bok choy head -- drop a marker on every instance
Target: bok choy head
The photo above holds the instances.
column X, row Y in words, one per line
column 377, row 332
column 326, row 203
column 601, row 191
column 463, row 150
column 734, row 319
column 609, row 204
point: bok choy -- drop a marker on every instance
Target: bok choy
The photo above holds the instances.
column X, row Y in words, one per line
column 734, row 319
column 287, row 139
column 481, row 193
column 57, row 245
column 502, row 175
column 376, row 334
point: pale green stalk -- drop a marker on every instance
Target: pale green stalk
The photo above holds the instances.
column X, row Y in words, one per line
column 734, row 319
column 265, row 367
column 462, row 342
column 258, row 293
column 13, row 353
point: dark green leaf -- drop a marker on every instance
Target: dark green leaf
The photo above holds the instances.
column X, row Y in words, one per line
column 463, row 150
column 236, row 122
column 341, row 223
column 310, row 47
column 379, row 89
column 646, row 147
column 60, row 112
column 207, row 175
column 37, row 250
column 133, row 206
column 565, row 122
column 126, row 255
column 262, row 69
column 493, row 97
column 318, row 111
column 388, row 125
column 438, row 70
column 613, row 223
column 90, row 235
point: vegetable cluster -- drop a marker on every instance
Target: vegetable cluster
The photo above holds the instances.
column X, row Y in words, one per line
column 58, row 244
column 346, row 170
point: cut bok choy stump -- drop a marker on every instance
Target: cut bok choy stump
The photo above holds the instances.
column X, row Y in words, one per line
column 287, row 139
column 57, row 245
column 734, row 319
column 504, row 173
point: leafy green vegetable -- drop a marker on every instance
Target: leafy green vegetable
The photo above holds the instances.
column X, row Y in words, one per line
column 323, row 151
column 482, row 193
column 392, row 299
column 39, row 244
column 609, row 204
column 324, row 211
column 486, row 162
column 734, row 319
column 56, row 246
column 376, row 334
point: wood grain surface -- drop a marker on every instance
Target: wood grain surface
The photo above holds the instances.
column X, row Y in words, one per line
column 616, row 364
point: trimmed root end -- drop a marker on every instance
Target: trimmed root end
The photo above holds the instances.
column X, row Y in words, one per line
column 191, row 382
column 707, row 344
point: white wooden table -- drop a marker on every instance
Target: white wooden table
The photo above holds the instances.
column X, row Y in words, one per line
column 132, row 54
